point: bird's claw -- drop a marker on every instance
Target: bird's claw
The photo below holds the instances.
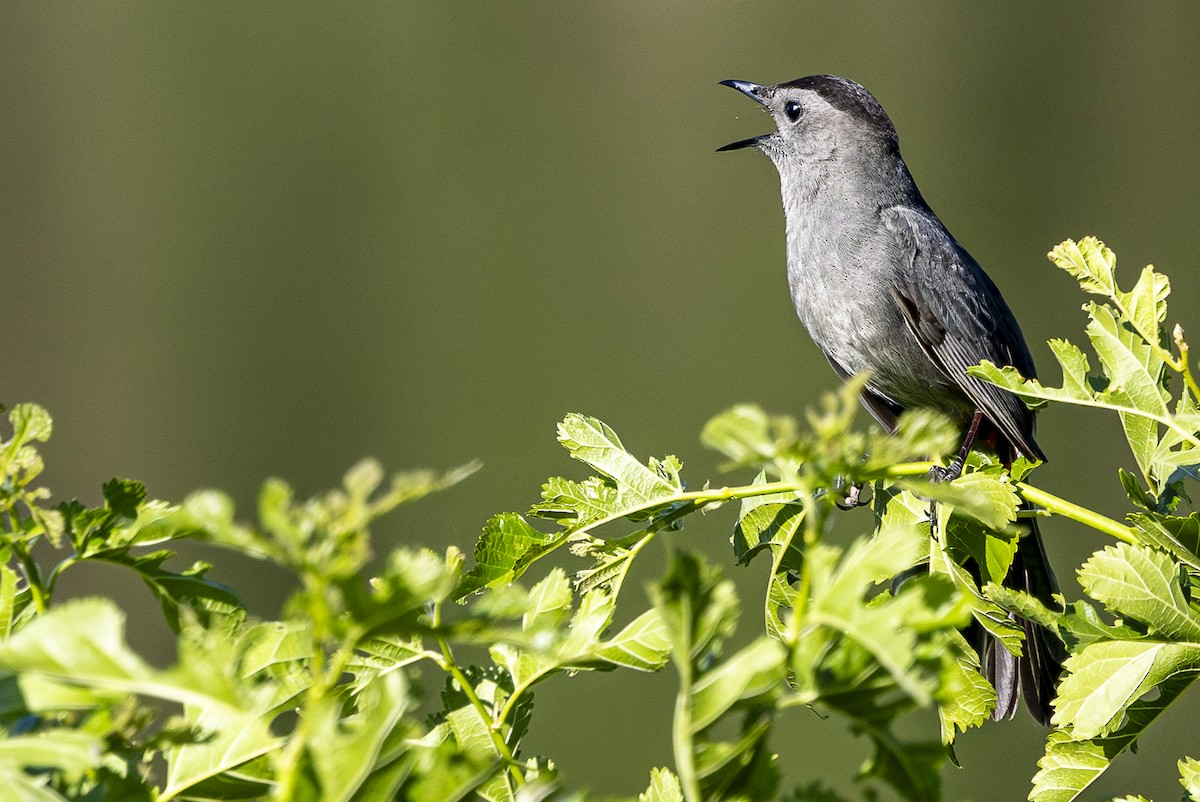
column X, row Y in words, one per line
column 938, row 474
column 853, row 498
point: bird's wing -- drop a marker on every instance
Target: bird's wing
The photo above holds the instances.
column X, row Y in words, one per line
column 959, row 318
column 883, row 409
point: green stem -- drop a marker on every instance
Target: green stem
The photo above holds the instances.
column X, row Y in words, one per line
column 681, row 728
column 1184, row 366
column 697, row 499
column 450, row 665
column 33, row 577
column 1067, row 509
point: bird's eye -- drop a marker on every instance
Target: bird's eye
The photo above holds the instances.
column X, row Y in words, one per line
column 793, row 110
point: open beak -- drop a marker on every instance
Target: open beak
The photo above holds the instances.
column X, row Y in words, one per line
column 754, row 92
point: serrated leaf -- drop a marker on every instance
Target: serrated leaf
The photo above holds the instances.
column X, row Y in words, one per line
column 472, row 737
column 1135, row 373
column 985, row 497
column 1090, row 261
column 345, row 748
column 965, row 697
column 552, row 645
column 840, row 605
column 664, row 787
column 1189, row 777
column 768, row 525
column 992, row 617
column 1179, row 537
column 1143, row 585
column 506, row 548
column 1069, row 765
column 591, row 441
column 1145, row 305
column 581, row 503
column 1104, row 678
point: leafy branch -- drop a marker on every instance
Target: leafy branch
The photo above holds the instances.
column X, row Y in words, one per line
column 320, row 703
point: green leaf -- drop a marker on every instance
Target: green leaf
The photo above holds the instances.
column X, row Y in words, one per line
column 991, row 551
column 1070, row 765
column 987, row 498
column 27, row 788
column 1179, row 537
column 471, row 728
column 82, row 642
column 1145, row 306
column 1090, row 262
column 664, row 787
column 550, row 645
column 644, row 644
column 756, row 670
column 763, row 524
column 1104, row 678
column 412, row 581
column 965, row 698
column 698, row 608
column 1189, row 777
column 506, row 548
column 72, row 753
column 580, row 503
column 913, row 768
column 1126, row 333
column 225, row 740
column 590, row 441
column 345, row 749
column 189, row 589
column 747, row 436
column 742, row 770
column 1144, row 585
column 840, row 603
column 1136, row 374
column 30, row 423
column 8, row 600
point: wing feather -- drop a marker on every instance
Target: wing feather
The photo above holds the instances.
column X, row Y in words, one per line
column 959, row 318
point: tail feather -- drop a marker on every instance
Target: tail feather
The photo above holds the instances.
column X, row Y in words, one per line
column 1036, row 672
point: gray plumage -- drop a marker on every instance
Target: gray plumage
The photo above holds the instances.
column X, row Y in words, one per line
column 882, row 286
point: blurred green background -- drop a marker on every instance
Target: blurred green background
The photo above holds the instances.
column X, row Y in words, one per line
column 244, row 240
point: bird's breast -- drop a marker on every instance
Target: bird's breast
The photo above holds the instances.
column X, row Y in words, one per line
column 842, row 278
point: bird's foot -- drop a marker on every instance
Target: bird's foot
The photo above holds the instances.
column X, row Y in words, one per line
column 938, row 474
column 853, row 498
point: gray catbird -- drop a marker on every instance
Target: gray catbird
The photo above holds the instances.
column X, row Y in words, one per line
column 881, row 286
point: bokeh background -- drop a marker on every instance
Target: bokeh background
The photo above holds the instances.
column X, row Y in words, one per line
column 256, row 239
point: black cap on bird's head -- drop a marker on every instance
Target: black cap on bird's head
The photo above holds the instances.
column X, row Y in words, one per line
column 814, row 108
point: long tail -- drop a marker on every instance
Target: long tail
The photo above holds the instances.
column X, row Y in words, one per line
column 1036, row 672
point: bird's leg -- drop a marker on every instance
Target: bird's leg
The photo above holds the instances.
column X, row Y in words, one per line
column 955, row 468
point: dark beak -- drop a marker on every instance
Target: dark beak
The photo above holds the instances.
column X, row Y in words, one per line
column 752, row 91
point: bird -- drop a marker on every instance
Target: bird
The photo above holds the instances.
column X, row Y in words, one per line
column 883, row 288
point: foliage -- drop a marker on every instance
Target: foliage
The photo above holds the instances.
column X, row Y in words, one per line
column 321, row 704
